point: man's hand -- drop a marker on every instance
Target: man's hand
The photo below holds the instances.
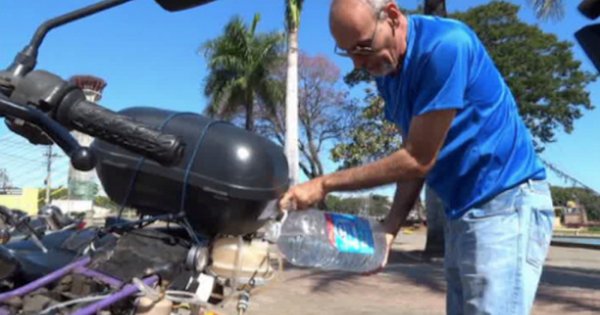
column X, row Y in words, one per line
column 304, row 195
column 404, row 200
column 389, row 238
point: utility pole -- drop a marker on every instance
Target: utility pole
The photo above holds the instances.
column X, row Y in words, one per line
column 49, row 157
column 4, row 180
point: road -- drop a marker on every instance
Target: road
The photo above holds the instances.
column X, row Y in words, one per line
column 570, row 285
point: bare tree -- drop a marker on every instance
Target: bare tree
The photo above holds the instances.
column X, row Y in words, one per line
column 325, row 111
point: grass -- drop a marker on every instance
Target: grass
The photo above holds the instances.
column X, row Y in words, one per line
column 585, row 231
column 594, row 230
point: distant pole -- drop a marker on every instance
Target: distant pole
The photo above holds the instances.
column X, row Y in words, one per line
column 48, row 174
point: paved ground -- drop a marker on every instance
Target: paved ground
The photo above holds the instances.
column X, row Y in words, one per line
column 570, row 285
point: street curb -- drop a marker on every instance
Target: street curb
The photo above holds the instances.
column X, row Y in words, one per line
column 573, row 245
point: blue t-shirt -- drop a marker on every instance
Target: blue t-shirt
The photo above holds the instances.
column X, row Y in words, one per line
column 488, row 148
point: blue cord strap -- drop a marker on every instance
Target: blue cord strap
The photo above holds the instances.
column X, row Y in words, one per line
column 186, row 174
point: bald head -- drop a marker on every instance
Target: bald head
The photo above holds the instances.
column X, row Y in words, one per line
column 350, row 18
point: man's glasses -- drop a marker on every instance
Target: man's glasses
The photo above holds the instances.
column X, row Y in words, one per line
column 359, row 50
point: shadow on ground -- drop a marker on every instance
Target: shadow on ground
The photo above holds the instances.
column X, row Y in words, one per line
column 575, row 289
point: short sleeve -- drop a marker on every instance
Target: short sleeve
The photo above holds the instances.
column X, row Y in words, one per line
column 442, row 78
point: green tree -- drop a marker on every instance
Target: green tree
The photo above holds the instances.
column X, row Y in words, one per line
column 370, row 137
column 588, row 199
column 55, row 194
column 343, row 205
column 239, row 63
column 379, row 205
column 544, row 77
column 374, row 205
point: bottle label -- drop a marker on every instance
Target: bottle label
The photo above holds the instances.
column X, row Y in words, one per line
column 350, row 234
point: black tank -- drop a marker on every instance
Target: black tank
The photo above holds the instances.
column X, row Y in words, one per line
column 233, row 178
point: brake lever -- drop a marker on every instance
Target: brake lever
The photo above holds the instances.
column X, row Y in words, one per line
column 82, row 158
column 28, row 131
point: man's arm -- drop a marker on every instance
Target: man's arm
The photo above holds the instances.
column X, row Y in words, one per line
column 426, row 137
column 404, row 200
column 441, row 84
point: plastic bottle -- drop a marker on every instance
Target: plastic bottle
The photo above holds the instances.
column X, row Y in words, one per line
column 332, row 241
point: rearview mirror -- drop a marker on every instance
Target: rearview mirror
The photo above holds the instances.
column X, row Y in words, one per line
column 180, row 5
column 590, row 8
column 589, row 40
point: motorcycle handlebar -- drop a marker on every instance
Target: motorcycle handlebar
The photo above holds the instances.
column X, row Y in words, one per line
column 120, row 130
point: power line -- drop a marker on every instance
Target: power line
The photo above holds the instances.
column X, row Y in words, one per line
column 566, row 176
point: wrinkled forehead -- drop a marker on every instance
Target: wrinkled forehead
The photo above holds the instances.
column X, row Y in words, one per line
column 351, row 22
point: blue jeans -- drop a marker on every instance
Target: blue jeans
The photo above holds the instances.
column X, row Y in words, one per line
column 495, row 252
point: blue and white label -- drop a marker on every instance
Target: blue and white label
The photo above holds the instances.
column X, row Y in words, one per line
column 350, row 234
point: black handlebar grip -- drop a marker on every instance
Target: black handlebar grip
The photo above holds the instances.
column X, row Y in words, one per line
column 120, row 130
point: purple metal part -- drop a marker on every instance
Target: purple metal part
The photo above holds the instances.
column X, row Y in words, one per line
column 114, row 298
column 97, row 275
column 44, row 280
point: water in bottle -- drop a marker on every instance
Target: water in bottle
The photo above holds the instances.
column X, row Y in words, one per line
column 332, row 241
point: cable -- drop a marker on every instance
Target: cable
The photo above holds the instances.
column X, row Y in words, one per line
column 76, row 301
column 192, row 160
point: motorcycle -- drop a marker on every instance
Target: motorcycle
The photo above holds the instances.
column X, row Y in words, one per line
column 215, row 186
column 18, row 225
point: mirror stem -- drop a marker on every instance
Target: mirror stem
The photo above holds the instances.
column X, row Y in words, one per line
column 26, row 59
column 41, row 32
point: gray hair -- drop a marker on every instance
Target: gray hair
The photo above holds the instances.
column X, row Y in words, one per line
column 377, row 6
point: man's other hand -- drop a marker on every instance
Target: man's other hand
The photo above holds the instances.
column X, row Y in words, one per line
column 389, row 238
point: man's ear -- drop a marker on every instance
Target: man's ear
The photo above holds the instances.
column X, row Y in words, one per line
column 392, row 11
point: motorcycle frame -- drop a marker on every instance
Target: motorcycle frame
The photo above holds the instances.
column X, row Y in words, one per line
column 79, row 267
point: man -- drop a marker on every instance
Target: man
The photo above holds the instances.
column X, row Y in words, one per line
column 463, row 135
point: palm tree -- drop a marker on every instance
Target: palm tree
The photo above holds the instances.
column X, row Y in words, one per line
column 240, row 63
column 293, row 8
column 545, row 9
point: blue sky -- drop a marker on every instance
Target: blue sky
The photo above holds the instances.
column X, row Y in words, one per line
column 149, row 56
